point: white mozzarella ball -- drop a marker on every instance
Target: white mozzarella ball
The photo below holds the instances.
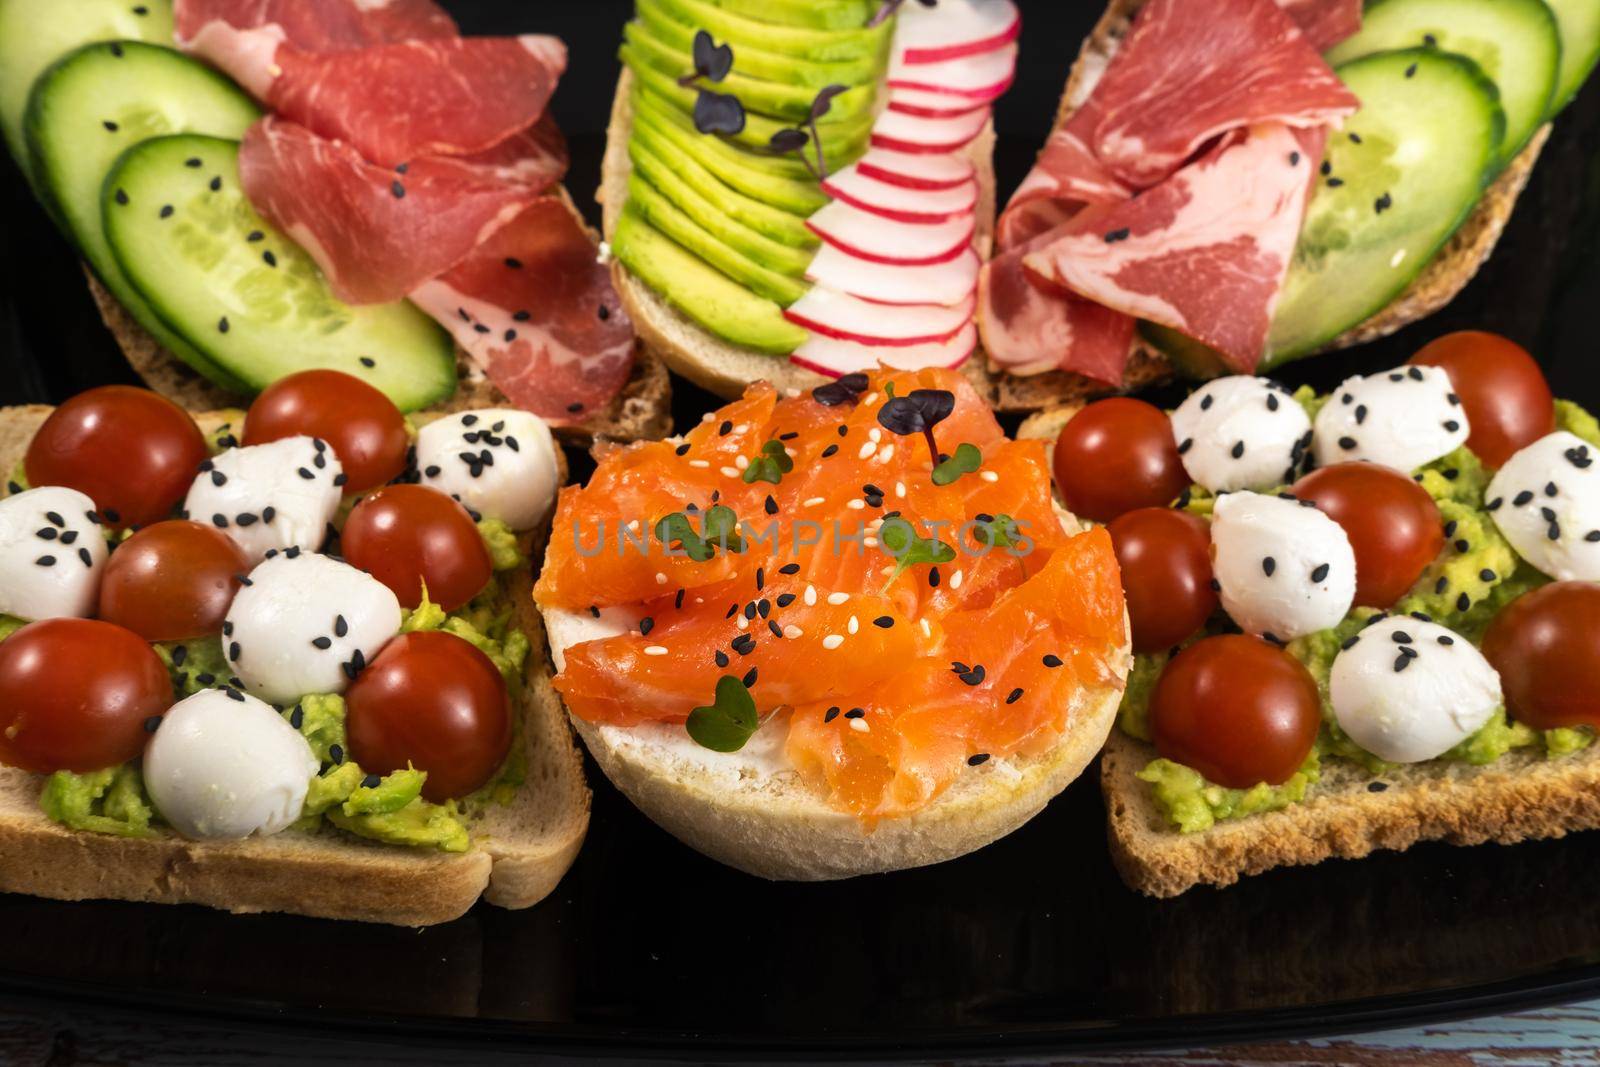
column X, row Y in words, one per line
column 1408, row 690
column 1241, row 432
column 1402, row 418
column 279, row 495
column 1284, row 569
column 51, row 553
column 1546, row 501
column 500, row 463
column 223, row 766
column 306, row 624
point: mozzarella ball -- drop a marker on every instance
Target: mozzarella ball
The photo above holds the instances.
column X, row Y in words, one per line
column 1546, row 501
column 1402, row 419
column 1284, row 569
column 1241, row 432
column 1408, row 690
column 306, row 624
column 499, row 463
column 51, row 553
column 223, row 766
column 279, row 495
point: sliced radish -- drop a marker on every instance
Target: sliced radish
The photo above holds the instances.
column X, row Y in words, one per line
column 899, row 202
column 849, row 318
column 916, row 171
column 835, row 358
column 983, row 76
column 955, row 28
column 933, row 105
column 873, row 237
column 913, row 133
column 942, row 283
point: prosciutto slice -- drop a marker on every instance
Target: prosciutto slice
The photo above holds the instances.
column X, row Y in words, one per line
column 1030, row 327
column 314, row 25
column 535, row 309
column 1324, row 22
column 1204, row 252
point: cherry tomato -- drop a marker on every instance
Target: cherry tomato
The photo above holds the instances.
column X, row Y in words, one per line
column 431, row 700
column 410, row 535
column 1166, row 570
column 1502, row 390
column 1117, row 455
column 1393, row 525
column 1237, row 709
column 366, row 430
column 1546, row 646
column 75, row 695
column 130, row 451
column 172, row 581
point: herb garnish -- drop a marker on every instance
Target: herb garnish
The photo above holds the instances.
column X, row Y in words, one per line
column 901, row 541
column 714, row 112
column 967, row 460
column 999, row 531
column 795, row 138
column 770, row 466
column 727, row 724
column 889, row 7
column 846, row 390
column 919, row 411
column 718, row 529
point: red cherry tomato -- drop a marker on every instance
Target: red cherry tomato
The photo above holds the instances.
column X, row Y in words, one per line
column 1393, row 525
column 1237, row 709
column 1117, row 455
column 172, row 581
column 431, row 700
column 366, row 430
column 1502, row 390
column 1166, row 570
column 408, row 535
column 75, row 695
column 130, row 451
column 1546, row 646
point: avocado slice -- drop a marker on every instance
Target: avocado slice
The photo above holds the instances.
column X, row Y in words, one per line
column 788, row 201
column 818, row 14
column 700, row 291
column 821, row 44
column 758, row 62
column 706, row 200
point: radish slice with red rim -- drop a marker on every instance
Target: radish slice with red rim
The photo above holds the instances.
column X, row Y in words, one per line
column 940, row 283
column 849, row 318
column 983, row 77
column 933, row 105
column 900, row 202
column 912, row 133
column 881, row 240
column 835, row 358
column 916, row 170
column 955, row 28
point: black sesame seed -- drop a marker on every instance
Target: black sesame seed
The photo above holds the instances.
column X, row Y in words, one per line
column 1377, row 787
column 1238, row 449
column 1401, row 662
column 1014, row 696
column 682, row 450
column 397, row 189
column 1052, row 660
column 855, row 713
column 335, row 754
column 233, row 651
column 233, row 694
column 789, row 568
column 1206, row 402
column 1441, row 585
column 1400, row 637
column 770, row 506
column 1522, row 498
column 725, row 429
column 1487, row 575
column 1462, row 544
column 323, row 642
column 1592, row 536
column 220, row 521
column 721, row 657
column 1463, row 602
column 978, row 759
column 1268, row 565
column 1334, row 183
column 744, row 644
column 1347, row 443
column 1446, row 639
column 1554, row 532
column 45, row 561
column 122, row 197
column 883, row 622
column 749, row 678
column 763, row 606
column 152, row 724
column 47, row 533
column 772, row 624
column 1361, row 414
column 1451, row 425
column 1411, row 70
column 785, row 599
column 831, row 714
column 1320, row 572
column 1184, row 445
column 1350, row 642
column 830, row 450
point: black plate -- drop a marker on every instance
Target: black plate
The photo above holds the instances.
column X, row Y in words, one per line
column 1030, row 945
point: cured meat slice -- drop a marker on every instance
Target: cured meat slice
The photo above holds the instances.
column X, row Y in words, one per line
column 1324, row 22
column 1188, row 72
column 1204, row 252
column 1030, row 328
column 378, row 233
column 323, row 26
column 534, row 308
column 1066, row 177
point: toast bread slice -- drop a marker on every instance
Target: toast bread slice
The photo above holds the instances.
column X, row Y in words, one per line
column 693, row 351
column 642, row 410
column 1445, row 275
column 519, row 851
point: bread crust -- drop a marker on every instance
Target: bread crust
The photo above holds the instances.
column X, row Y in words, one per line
column 519, row 851
column 1439, row 282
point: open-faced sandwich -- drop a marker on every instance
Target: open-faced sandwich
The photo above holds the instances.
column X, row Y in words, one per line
column 263, row 188
column 1237, row 183
column 836, row 632
column 279, row 661
column 794, row 190
column 1361, row 619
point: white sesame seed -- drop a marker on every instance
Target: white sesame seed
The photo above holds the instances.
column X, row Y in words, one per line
column 887, row 454
column 869, row 542
column 874, row 435
column 859, row 725
column 955, row 580
column 811, row 595
column 867, row 449
column 792, row 632
column 740, row 462
column 634, row 526
column 661, row 579
column 707, row 417
column 852, row 626
column 870, row 399
column 832, row 641
column 856, row 505
column 812, row 502
column 744, row 623
column 742, row 428
column 701, row 463
column 655, row 650
column 838, row 598
column 989, row 476
column 730, row 472
column 791, row 392
column 926, row 632
column 1399, row 255
column 900, row 489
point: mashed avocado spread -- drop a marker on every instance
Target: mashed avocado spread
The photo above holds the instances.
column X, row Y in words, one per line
column 388, row 809
column 1475, row 576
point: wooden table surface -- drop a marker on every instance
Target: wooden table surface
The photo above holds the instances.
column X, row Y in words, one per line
column 40, row 1035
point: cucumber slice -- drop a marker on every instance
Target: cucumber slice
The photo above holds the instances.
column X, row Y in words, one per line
column 1580, row 47
column 92, row 105
column 242, row 292
column 1516, row 42
column 36, row 33
column 1423, row 147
